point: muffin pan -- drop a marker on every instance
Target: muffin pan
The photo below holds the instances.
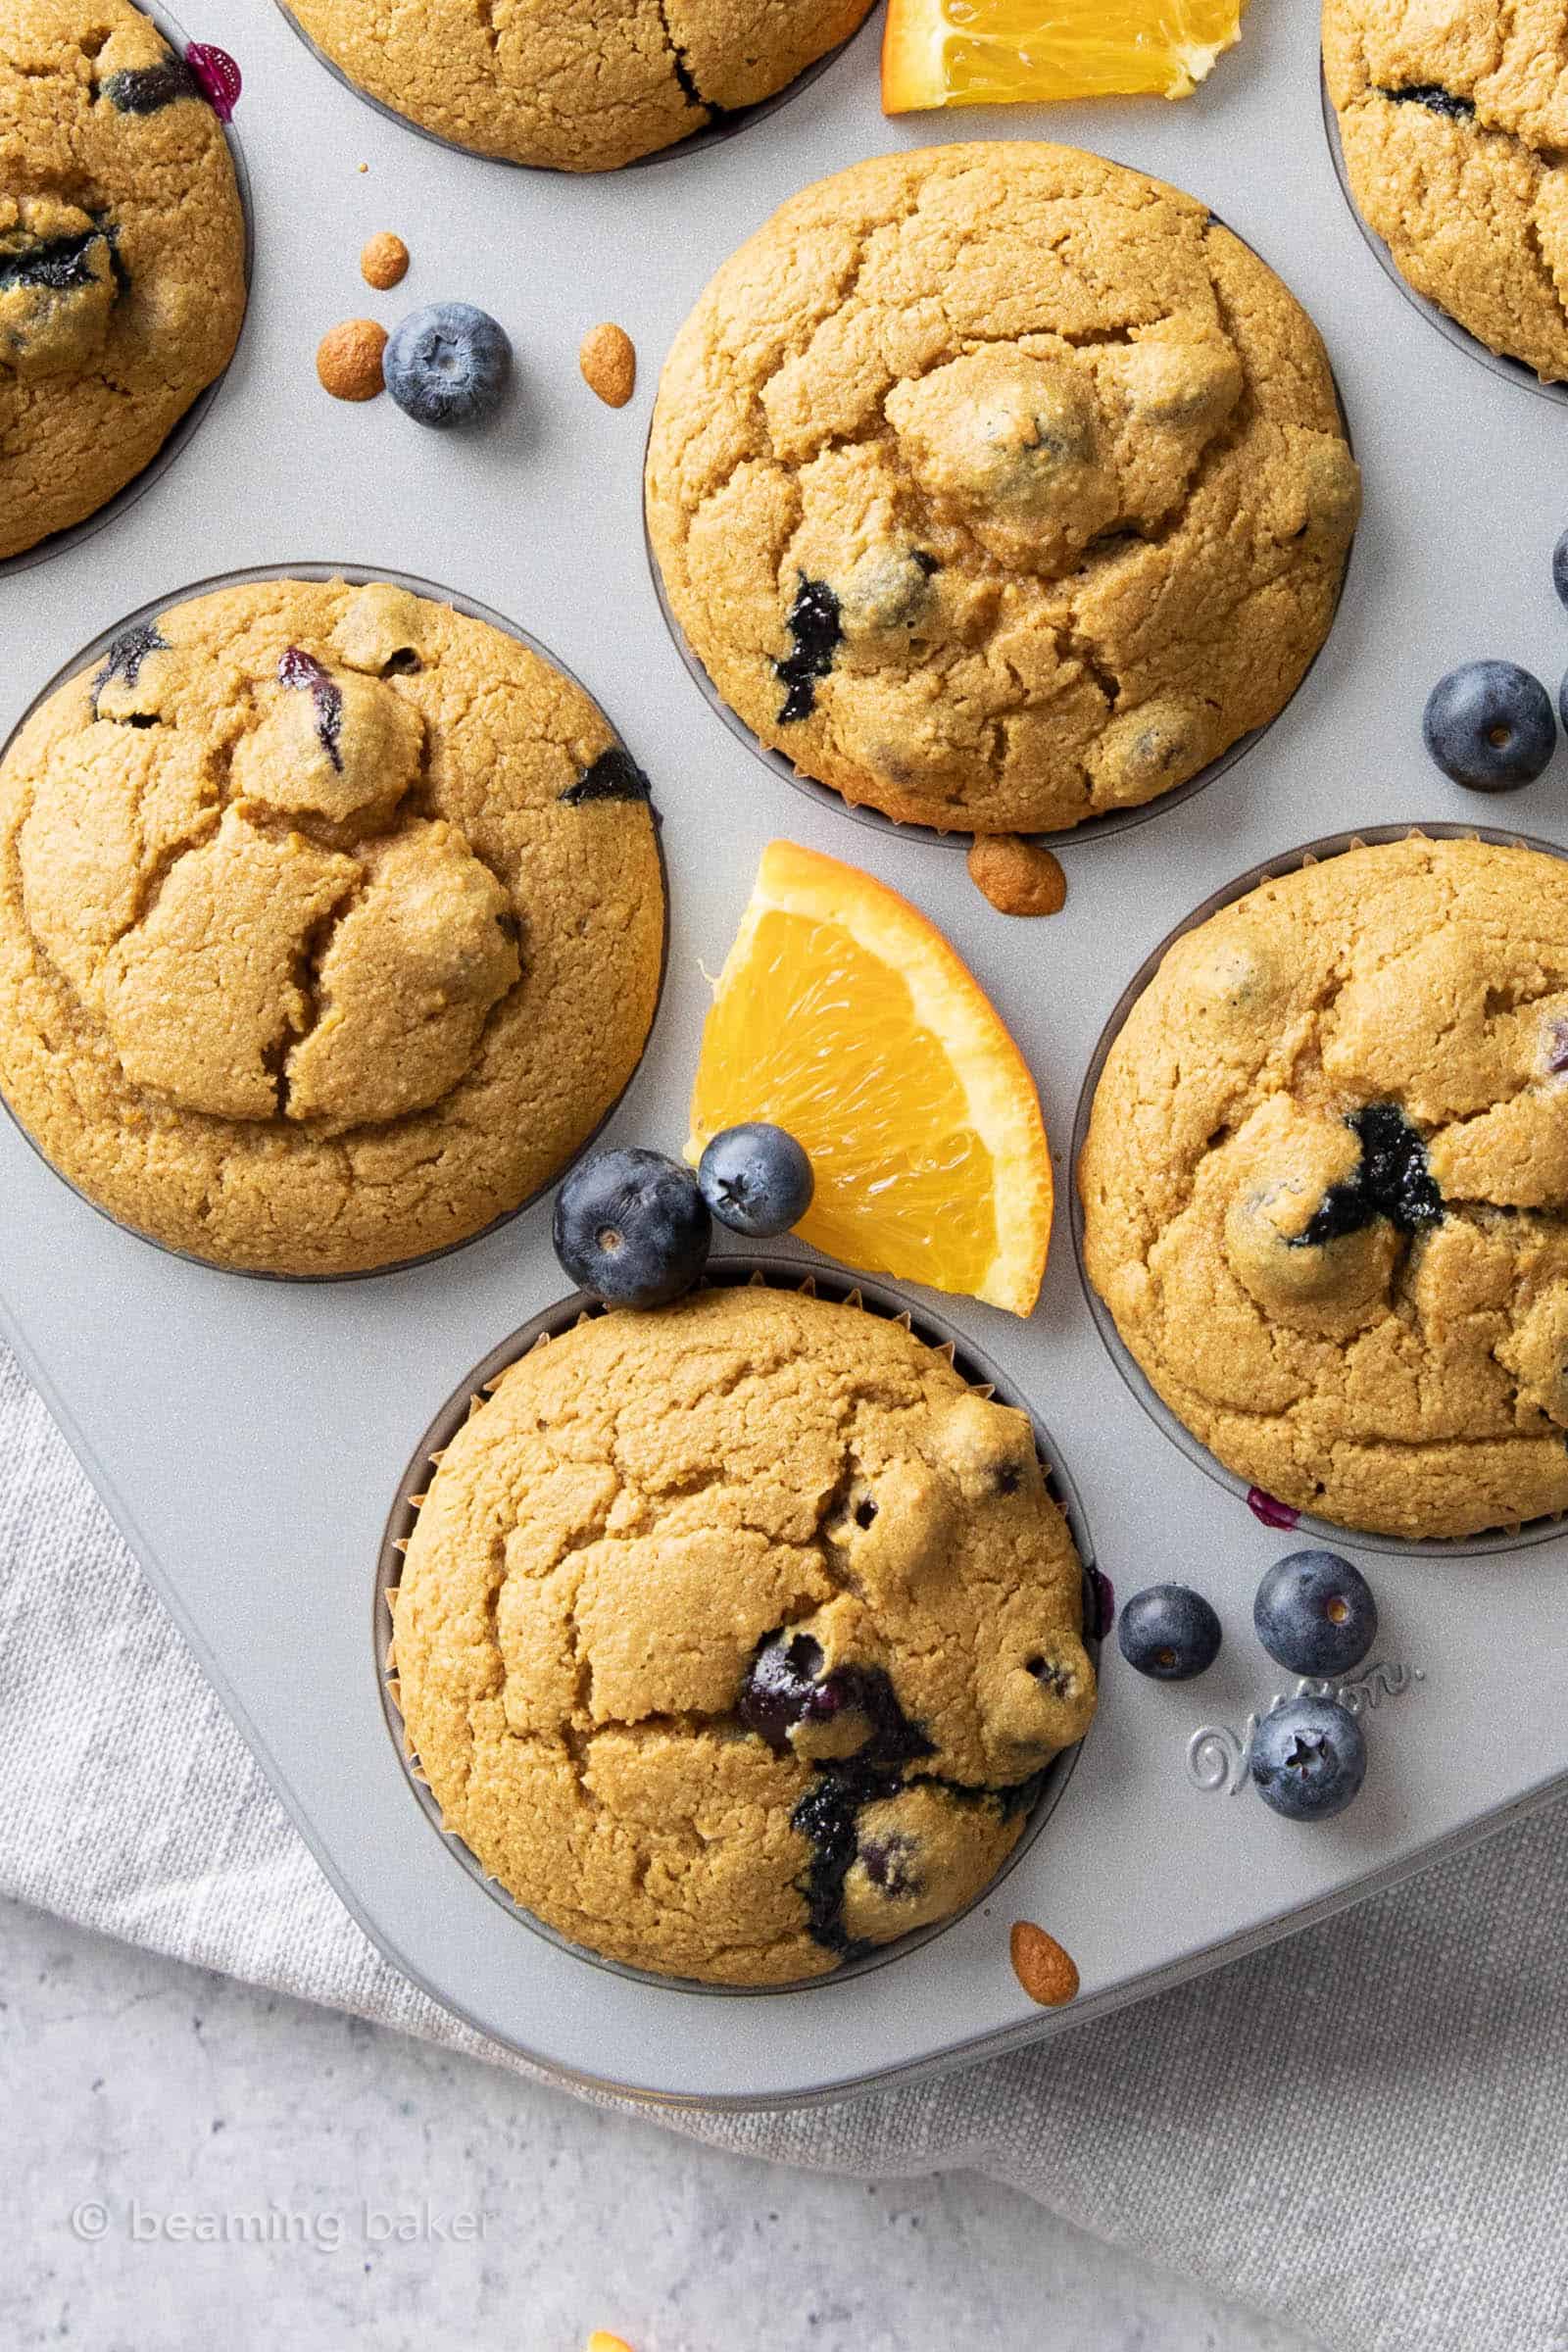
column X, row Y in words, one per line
column 251, row 1436
column 184, row 430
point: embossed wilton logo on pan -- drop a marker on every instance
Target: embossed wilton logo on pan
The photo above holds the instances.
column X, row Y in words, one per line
column 1217, row 1757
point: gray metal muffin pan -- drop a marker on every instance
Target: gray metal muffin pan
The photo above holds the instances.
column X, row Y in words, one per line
column 251, row 1436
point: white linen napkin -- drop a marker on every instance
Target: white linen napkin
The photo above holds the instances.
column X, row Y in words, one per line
column 1361, row 2130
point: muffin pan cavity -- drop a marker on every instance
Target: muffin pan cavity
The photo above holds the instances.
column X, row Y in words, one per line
column 874, row 1299
column 1402, row 1197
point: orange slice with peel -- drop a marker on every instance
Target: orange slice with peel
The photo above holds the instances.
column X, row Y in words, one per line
column 844, row 1017
column 990, row 52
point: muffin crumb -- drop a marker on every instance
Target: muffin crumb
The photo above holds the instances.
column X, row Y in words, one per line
column 1017, row 876
column 607, row 359
column 348, row 358
column 384, row 261
column 1046, row 1973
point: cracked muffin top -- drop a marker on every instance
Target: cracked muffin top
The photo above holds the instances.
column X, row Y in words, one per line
column 582, row 86
column 1453, row 120
column 1325, row 1187
column 999, row 486
column 121, row 257
column 732, row 1639
column 331, row 925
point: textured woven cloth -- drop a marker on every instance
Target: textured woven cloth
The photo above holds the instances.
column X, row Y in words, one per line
column 1361, row 2131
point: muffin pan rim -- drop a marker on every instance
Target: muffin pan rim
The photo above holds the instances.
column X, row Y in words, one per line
column 354, row 575
column 738, row 1270
column 1307, row 1524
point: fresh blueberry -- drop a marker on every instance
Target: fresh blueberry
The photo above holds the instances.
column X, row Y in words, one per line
column 1315, row 1614
column 1170, row 1632
column 1308, row 1758
column 446, row 365
column 1488, row 725
column 1559, row 567
column 632, row 1227
column 756, row 1179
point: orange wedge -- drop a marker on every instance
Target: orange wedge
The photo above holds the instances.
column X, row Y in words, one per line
column 844, row 1017
column 990, row 52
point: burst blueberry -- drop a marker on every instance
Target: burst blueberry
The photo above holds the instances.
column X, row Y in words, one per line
column 632, row 1227
column 448, row 365
column 788, row 1685
column 1314, row 1613
column 756, row 1179
column 1307, row 1758
column 1488, row 725
column 1169, row 1632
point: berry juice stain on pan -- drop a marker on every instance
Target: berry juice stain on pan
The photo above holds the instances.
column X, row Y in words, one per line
column 726, row 126
column 184, row 428
column 779, row 1273
column 1093, row 828
column 356, row 575
column 1310, row 1529
column 1513, row 372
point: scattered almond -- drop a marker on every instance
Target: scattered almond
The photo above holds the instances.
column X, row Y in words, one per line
column 384, row 261
column 348, row 358
column 1017, row 876
column 1045, row 1970
column 607, row 359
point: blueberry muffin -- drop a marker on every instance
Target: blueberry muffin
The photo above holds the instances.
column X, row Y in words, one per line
column 331, row 925
column 1325, row 1186
column 732, row 1639
column 581, row 85
column 1453, row 121
column 999, row 486
column 121, row 257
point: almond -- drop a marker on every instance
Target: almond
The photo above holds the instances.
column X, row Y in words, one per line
column 1045, row 1970
column 384, row 261
column 348, row 360
column 607, row 359
column 1017, row 876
